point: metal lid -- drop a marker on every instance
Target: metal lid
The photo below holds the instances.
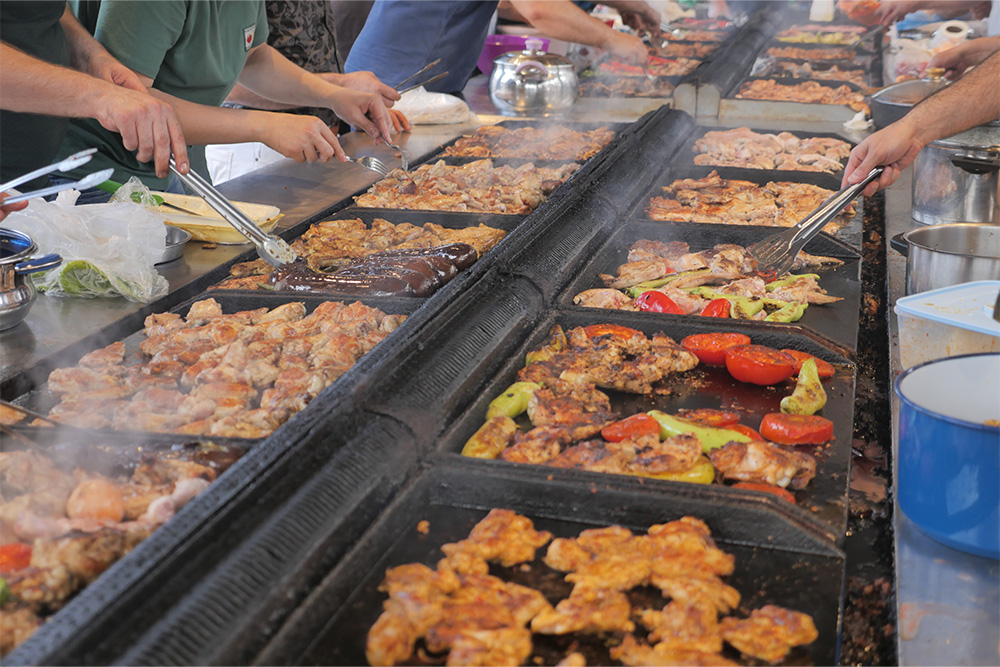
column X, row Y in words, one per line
column 534, row 52
column 909, row 93
column 982, row 138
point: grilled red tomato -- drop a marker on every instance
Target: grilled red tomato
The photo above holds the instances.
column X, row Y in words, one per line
column 824, row 368
column 745, row 430
column 14, row 556
column 784, row 494
column 710, row 348
column 631, row 427
column 716, row 308
column 796, row 429
column 759, row 364
column 657, row 302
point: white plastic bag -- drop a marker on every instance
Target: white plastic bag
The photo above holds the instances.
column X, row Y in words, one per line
column 107, row 249
column 424, row 108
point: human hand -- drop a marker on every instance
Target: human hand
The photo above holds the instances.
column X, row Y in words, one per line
column 894, row 148
column 967, row 54
column 894, row 10
column 366, row 82
column 5, row 209
column 364, row 111
column 104, row 66
column 146, row 124
column 400, row 123
column 642, row 18
column 628, row 48
column 302, row 138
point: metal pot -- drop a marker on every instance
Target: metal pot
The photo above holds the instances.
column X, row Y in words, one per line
column 16, row 293
column 945, row 255
column 533, row 82
column 893, row 102
column 955, row 179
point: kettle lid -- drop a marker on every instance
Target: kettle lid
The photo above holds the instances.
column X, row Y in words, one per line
column 534, row 50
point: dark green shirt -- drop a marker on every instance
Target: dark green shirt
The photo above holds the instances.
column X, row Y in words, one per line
column 29, row 141
column 192, row 49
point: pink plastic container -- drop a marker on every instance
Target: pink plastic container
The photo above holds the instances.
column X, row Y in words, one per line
column 499, row 44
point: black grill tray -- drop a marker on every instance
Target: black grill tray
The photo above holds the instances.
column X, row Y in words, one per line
column 849, row 233
column 825, row 497
column 836, row 321
column 686, row 154
column 777, row 561
column 40, row 399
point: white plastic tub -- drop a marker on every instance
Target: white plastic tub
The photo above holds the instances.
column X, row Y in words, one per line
column 947, row 322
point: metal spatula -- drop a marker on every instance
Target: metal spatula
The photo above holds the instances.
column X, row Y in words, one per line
column 271, row 249
column 777, row 252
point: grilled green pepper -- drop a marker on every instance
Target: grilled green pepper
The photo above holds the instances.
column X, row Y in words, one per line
column 512, row 402
column 491, row 438
column 809, row 396
column 742, row 307
column 710, row 437
column 790, row 312
column 556, row 343
column 4, row 590
column 702, row 472
column 637, row 290
column 788, row 280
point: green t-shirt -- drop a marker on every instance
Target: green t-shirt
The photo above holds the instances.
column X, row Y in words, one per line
column 192, row 49
column 30, row 141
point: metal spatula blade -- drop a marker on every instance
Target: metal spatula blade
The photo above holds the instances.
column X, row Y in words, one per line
column 777, row 252
column 273, row 250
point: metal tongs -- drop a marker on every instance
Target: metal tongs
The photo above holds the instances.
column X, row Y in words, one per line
column 273, row 250
column 868, row 35
column 67, row 164
column 777, row 252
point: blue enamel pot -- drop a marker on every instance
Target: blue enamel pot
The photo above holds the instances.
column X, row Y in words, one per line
column 948, row 463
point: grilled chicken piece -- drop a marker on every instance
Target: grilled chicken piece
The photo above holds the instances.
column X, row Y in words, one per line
column 502, row 536
column 579, row 408
column 24, row 472
column 804, row 290
column 601, row 558
column 79, row 380
column 684, row 625
column 804, row 260
column 764, row 462
column 112, row 355
column 502, row 646
column 17, row 623
column 587, row 610
column 539, row 445
column 631, row 652
column 86, row 555
column 705, row 592
column 769, row 633
column 635, row 272
column 604, row 298
column 159, row 470
column 43, row 589
column 685, row 547
column 391, row 639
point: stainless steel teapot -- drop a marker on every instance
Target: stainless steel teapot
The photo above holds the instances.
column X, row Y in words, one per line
column 533, row 82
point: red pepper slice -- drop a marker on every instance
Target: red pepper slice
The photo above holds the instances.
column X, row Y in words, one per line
column 657, row 302
column 17, row 556
column 759, row 364
column 615, row 330
column 631, row 427
column 784, row 494
column 745, row 430
column 716, row 308
column 710, row 417
column 824, row 368
column 796, row 429
column 710, row 348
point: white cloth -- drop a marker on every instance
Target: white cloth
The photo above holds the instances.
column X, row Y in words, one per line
column 993, row 25
column 227, row 161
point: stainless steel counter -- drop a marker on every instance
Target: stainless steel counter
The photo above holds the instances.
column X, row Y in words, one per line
column 948, row 601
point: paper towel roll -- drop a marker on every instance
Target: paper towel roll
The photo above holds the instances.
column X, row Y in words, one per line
column 950, row 33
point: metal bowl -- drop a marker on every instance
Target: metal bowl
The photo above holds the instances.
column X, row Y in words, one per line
column 176, row 240
column 16, row 261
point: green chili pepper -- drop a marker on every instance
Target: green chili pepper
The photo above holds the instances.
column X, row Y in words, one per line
column 491, row 438
column 790, row 312
column 809, row 396
column 556, row 343
column 512, row 402
column 711, row 438
column 4, row 590
column 637, row 290
column 702, row 472
column 788, row 280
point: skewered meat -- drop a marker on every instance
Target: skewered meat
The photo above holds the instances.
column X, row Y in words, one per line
column 552, row 142
column 764, row 462
column 743, row 147
column 769, row 632
column 477, row 186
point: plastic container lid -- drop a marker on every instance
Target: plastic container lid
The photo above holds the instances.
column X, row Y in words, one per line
column 909, row 93
column 967, row 306
column 984, row 138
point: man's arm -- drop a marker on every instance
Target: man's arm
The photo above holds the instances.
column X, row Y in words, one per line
column 636, row 14
column 967, row 54
column 563, row 20
column 972, row 101
column 894, row 10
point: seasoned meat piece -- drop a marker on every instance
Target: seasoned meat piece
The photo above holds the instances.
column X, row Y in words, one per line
column 601, row 558
column 86, row 555
column 43, row 589
column 804, row 290
column 501, row 646
column 669, row 250
column 579, row 408
column 684, row 625
column 111, row 355
column 638, row 271
column 10, row 416
column 502, row 536
column 685, row 547
column 392, row 638
column 539, row 445
column 522, row 602
column 675, row 454
column 705, row 592
column 17, row 623
column 769, row 633
column 804, row 260
column 764, row 462
column 159, row 470
column 604, row 298
column 592, row 455
column 573, row 659
column 631, row 652
column 78, row 380
column 30, row 472
column 587, row 610
column 420, row 592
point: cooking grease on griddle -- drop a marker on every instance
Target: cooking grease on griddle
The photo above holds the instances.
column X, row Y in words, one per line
column 473, row 617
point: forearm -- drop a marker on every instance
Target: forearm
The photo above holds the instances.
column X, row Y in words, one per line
column 273, row 77
column 245, row 97
column 949, row 111
column 563, row 20
column 82, row 45
column 204, row 124
column 31, row 85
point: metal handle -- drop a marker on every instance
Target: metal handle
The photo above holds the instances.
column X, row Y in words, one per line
column 34, row 264
column 829, row 209
column 436, row 77
column 72, row 162
column 88, row 181
column 233, row 215
column 415, row 75
column 975, row 165
column 900, row 245
column 532, row 64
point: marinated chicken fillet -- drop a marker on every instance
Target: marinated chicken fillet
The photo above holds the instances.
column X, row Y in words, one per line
column 769, row 633
column 546, row 143
column 586, row 610
column 502, row 536
column 684, row 625
column 632, row 652
column 764, row 462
